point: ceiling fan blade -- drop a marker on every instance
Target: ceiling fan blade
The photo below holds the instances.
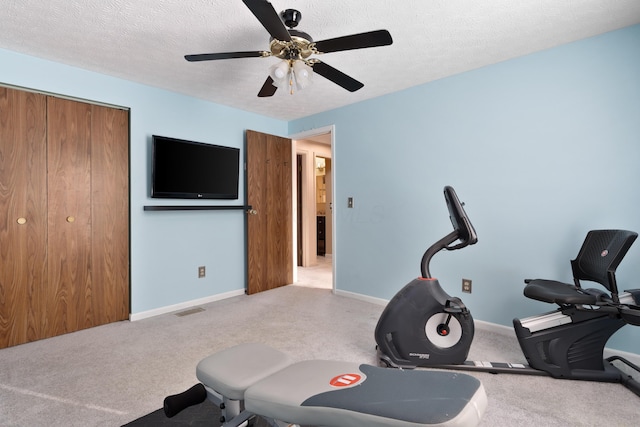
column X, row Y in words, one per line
column 269, row 18
column 268, row 89
column 336, row 76
column 355, row 41
column 225, row 55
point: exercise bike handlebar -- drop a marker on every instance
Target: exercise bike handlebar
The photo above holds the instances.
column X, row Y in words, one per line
column 463, row 231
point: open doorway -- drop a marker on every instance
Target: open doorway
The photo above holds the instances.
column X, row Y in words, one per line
column 313, row 184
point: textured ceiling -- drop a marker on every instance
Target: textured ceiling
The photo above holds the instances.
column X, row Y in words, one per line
column 145, row 41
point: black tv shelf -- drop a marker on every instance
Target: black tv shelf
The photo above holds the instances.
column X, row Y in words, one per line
column 197, row 208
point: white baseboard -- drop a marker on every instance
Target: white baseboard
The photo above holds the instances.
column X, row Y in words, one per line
column 361, row 297
column 492, row 327
column 181, row 306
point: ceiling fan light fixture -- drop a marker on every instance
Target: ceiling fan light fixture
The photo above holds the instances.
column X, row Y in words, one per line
column 303, row 74
column 288, row 74
column 280, row 71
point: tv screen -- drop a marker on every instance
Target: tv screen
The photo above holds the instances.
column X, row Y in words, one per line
column 193, row 170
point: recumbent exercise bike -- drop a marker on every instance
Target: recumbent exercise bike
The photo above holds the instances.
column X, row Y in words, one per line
column 423, row 326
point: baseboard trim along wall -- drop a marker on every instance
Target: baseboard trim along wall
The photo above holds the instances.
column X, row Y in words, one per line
column 181, row 306
column 365, row 298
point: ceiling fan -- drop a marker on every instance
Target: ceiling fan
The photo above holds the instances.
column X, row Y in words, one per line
column 295, row 48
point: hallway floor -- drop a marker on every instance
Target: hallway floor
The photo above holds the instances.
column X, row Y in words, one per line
column 317, row 276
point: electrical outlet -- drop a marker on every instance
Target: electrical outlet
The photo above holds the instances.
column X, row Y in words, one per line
column 466, row 285
column 201, row 272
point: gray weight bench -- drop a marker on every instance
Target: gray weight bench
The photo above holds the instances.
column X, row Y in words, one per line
column 255, row 379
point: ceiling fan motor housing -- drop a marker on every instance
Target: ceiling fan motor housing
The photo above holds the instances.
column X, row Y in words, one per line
column 300, row 46
column 291, row 17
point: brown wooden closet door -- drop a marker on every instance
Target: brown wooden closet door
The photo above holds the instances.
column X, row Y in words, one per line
column 64, row 216
column 69, row 202
column 110, row 215
column 269, row 236
column 23, row 210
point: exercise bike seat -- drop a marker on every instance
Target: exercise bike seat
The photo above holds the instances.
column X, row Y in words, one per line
column 559, row 293
column 340, row 394
column 597, row 261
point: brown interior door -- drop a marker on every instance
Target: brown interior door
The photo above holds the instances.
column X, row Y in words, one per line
column 110, row 215
column 23, row 215
column 69, row 237
column 269, row 230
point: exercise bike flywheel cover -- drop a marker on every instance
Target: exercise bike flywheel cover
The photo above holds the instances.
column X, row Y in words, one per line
column 434, row 325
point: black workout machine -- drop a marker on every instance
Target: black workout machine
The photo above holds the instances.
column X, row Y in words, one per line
column 423, row 326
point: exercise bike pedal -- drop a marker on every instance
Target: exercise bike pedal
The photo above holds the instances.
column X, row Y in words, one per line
column 455, row 305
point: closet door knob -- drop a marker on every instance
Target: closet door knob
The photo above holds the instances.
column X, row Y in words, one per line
column 70, row 219
column 22, row 221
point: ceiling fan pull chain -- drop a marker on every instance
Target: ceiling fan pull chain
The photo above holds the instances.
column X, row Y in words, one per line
column 291, row 77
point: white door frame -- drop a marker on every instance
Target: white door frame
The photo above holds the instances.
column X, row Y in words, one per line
column 305, row 135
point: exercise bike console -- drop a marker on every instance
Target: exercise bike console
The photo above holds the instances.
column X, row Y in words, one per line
column 463, row 232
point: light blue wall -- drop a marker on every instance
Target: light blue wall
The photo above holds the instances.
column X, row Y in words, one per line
column 166, row 247
column 542, row 149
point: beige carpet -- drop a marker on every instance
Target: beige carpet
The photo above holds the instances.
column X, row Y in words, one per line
column 110, row 375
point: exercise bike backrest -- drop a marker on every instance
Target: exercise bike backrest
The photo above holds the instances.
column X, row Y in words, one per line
column 599, row 257
column 463, row 232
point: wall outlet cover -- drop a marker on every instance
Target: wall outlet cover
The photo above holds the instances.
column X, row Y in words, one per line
column 466, row 285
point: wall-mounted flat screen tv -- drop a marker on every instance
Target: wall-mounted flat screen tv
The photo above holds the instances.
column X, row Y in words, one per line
column 193, row 170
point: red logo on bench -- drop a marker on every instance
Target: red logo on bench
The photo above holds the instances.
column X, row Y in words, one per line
column 345, row 380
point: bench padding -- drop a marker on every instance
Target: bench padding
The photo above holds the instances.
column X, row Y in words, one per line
column 231, row 371
column 341, row 394
column 302, row 394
